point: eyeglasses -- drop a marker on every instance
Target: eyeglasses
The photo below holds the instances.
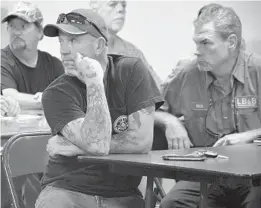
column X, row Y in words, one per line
column 76, row 18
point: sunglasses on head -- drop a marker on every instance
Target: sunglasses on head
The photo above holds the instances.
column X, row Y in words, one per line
column 77, row 18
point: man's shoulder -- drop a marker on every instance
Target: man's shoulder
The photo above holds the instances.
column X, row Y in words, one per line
column 129, row 48
column 7, row 58
column 123, row 62
column 254, row 61
column 186, row 68
column 128, row 44
column 48, row 57
column 64, row 84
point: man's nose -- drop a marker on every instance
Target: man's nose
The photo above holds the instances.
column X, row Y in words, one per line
column 17, row 31
column 64, row 48
column 198, row 51
column 121, row 8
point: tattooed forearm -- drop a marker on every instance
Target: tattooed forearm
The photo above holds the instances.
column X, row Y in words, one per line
column 124, row 142
column 92, row 133
column 139, row 136
column 96, row 128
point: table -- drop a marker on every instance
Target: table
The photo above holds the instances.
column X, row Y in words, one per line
column 242, row 166
column 27, row 121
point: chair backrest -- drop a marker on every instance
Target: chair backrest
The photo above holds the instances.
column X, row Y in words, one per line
column 24, row 154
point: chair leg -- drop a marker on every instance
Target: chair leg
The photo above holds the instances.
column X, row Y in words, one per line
column 150, row 200
column 158, row 183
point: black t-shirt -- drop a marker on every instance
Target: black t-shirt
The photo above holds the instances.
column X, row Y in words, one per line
column 25, row 79
column 129, row 88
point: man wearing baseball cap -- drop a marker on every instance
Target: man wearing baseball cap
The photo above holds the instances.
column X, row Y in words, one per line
column 102, row 104
column 25, row 70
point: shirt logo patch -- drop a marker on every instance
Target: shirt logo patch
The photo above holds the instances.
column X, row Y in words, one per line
column 246, row 102
column 120, row 124
column 198, row 106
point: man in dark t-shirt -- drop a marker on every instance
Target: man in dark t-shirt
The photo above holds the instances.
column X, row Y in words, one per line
column 102, row 104
column 25, row 70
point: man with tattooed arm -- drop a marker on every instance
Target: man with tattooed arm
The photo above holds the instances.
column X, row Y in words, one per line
column 102, row 104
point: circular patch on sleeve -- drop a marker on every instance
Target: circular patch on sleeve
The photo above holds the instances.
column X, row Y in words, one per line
column 120, row 124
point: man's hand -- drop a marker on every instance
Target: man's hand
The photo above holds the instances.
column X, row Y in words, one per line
column 232, row 139
column 9, row 106
column 38, row 97
column 58, row 145
column 88, row 69
column 177, row 136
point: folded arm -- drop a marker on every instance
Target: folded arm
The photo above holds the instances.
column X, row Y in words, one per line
column 26, row 101
column 92, row 134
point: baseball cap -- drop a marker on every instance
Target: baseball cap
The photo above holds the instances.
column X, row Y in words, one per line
column 26, row 11
column 78, row 22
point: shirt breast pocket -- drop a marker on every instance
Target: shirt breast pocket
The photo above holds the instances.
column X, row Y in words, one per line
column 202, row 113
column 249, row 119
column 119, row 119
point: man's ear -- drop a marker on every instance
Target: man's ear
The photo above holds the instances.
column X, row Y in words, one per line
column 40, row 30
column 232, row 41
column 100, row 45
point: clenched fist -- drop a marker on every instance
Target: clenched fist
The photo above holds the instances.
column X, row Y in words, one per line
column 88, row 70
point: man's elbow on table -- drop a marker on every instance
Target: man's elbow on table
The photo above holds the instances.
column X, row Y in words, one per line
column 145, row 144
column 100, row 146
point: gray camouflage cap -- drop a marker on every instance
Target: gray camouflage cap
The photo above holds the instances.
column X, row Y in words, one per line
column 26, row 11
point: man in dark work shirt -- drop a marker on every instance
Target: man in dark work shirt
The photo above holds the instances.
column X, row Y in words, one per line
column 103, row 104
column 25, row 70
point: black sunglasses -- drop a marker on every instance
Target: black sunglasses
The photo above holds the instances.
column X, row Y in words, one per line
column 77, row 18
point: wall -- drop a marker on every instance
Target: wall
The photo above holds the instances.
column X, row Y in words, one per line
column 164, row 27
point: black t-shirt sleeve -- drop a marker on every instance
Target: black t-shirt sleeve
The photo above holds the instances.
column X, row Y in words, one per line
column 7, row 74
column 60, row 107
column 142, row 90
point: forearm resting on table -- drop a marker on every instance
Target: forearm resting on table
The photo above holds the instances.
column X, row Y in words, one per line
column 92, row 133
column 253, row 134
column 162, row 119
column 26, row 101
column 139, row 136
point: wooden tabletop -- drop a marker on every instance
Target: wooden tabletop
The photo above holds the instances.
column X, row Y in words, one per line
column 243, row 164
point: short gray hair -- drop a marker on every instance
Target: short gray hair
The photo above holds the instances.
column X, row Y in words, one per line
column 225, row 19
column 96, row 4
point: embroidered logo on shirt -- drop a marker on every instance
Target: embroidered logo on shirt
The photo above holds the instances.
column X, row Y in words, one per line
column 120, row 124
column 246, row 102
column 198, row 106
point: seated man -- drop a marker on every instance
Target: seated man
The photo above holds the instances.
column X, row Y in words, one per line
column 9, row 106
column 103, row 104
column 114, row 14
column 25, row 70
column 217, row 97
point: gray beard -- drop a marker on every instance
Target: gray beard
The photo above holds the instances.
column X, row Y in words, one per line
column 18, row 44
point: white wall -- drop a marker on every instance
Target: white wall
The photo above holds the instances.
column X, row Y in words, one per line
column 161, row 29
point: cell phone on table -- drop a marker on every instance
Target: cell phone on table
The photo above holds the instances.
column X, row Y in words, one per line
column 188, row 157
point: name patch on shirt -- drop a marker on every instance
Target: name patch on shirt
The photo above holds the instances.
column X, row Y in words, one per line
column 199, row 106
column 246, row 102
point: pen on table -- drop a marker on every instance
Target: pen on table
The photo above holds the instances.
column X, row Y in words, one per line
column 222, row 157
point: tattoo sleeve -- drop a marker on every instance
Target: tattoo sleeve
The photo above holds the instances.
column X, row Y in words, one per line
column 92, row 133
column 138, row 137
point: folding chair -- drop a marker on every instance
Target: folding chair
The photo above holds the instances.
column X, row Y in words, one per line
column 24, row 154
